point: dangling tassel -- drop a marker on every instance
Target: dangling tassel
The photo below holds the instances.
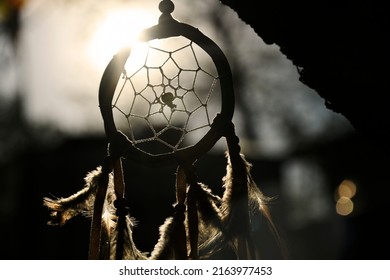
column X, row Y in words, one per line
column 173, row 229
column 204, row 219
column 130, row 251
column 242, row 199
column 192, row 218
column 107, row 222
column 113, row 246
column 121, row 230
column 63, row 209
column 95, row 238
column 201, row 209
column 121, row 210
column 193, row 221
column 212, row 235
column 235, row 201
column 122, row 246
column 172, row 243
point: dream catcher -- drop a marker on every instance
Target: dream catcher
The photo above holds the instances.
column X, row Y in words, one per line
column 173, row 101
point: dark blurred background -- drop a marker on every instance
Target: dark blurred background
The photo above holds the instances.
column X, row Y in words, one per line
column 329, row 184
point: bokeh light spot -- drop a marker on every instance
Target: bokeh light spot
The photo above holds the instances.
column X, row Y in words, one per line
column 347, row 188
column 343, row 196
column 344, row 206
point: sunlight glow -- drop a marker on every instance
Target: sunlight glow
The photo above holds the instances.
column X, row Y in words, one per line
column 118, row 29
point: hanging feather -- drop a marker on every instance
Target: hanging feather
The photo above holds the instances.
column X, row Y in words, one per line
column 208, row 205
column 172, row 243
column 163, row 248
column 202, row 213
column 95, row 237
column 63, row 209
column 110, row 229
column 131, row 252
column 107, row 222
column 212, row 233
column 166, row 247
column 258, row 204
column 192, row 222
column 241, row 197
column 235, row 207
column 129, row 249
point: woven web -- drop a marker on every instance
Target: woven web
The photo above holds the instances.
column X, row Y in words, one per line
column 168, row 96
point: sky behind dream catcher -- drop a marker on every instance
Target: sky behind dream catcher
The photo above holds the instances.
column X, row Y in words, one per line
column 167, row 102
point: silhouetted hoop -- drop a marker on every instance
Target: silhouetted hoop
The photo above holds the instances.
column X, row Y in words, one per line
column 166, row 28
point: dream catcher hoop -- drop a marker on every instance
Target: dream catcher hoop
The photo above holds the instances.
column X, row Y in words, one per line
column 166, row 100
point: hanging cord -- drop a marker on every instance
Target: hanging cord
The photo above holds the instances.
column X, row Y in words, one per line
column 111, row 163
column 180, row 247
column 121, row 207
column 235, row 209
column 180, row 235
column 239, row 216
column 192, row 212
column 95, row 232
column 203, row 214
column 172, row 243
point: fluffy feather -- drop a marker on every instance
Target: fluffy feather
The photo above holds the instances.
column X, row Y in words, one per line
column 235, row 208
column 110, row 228
column 164, row 249
column 129, row 250
column 241, row 202
column 63, row 209
column 258, row 204
column 212, row 233
column 172, row 242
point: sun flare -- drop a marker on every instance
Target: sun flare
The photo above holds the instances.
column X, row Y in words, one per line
column 118, row 29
